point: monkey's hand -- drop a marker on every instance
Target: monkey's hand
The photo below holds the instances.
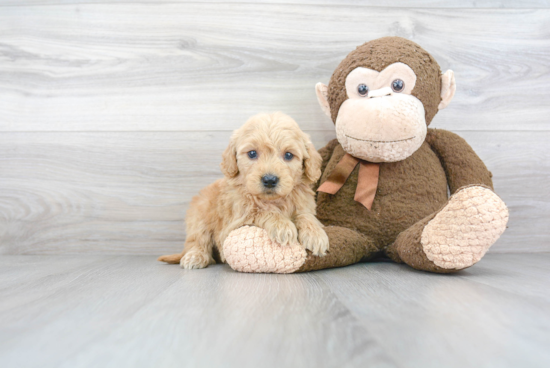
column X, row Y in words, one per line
column 311, row 235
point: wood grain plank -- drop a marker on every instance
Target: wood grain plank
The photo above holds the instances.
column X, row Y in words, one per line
column 88, row 300
column 127, row 193
column 131, row 311
column 201, row 66
column 525, row 276
column 465, row 320
column 500, row 4
column 135, row 312
column 89, row 191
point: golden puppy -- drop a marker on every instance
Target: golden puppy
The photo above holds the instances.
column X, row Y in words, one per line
column 269, row 167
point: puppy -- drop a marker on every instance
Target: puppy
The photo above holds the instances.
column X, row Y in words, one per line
column 269, row 167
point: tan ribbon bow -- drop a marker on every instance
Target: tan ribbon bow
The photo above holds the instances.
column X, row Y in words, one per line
column 367, row 182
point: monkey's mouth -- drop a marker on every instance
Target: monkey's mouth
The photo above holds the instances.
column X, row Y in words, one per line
column 371, row 141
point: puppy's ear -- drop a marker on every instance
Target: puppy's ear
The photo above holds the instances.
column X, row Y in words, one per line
column 312, row 162
column 229, row 160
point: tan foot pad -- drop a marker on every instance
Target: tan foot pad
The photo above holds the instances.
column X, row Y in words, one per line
column 249, row 249
column 466, row 227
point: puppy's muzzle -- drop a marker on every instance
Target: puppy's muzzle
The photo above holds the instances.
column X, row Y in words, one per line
column 270, row 181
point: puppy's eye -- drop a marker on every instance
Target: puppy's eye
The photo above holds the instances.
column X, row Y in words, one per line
column 397, row 85
column 252, row 154
column 288, row 156
column 363, row 89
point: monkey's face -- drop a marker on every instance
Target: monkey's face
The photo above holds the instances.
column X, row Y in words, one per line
column 381, row 121
column 382, row 96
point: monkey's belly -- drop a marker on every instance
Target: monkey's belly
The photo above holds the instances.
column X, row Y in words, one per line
column 407, row 191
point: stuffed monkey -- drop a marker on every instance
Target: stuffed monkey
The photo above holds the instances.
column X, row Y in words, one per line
column 386, row 178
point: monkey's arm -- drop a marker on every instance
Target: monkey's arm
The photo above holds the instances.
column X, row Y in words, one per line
column 461, row 164
column 326, row 154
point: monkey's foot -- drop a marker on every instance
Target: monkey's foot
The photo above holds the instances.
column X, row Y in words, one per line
column 249, row 249
column 462, row 232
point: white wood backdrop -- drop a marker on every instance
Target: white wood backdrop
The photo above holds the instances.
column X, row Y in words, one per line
column 114, row 114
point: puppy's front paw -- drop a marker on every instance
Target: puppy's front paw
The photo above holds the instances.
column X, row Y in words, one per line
column 315, row 239
column 196, row 259
column 283, row 233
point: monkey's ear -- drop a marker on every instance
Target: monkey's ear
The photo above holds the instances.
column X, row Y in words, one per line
column 448, row 89
column 322, row 96
column 229, row 160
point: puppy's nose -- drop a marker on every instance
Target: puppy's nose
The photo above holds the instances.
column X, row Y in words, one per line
column 270, row 181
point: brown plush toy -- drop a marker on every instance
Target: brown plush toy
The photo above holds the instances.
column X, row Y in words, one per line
column 386, row 178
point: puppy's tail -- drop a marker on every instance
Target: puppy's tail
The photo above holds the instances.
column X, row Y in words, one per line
column 172, row 258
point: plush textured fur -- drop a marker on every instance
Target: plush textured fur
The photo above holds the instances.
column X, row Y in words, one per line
column 397, row 207
column 286, row 212
column 412, row 219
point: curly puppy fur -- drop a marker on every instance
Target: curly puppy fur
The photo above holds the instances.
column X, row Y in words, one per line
column 286, row 211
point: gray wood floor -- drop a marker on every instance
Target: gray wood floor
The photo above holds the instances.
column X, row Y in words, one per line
column 130, row 311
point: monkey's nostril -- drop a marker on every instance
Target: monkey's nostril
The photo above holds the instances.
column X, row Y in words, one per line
column 382, row 92
column 270, row 181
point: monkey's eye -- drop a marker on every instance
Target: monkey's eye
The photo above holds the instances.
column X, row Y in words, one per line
column 397, row 85
column 363, row 89
column 288, row 156
column 252, row 154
